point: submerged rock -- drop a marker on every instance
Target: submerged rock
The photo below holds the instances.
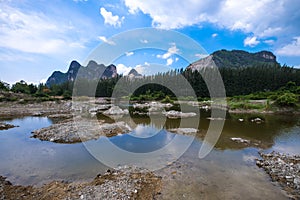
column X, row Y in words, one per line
column 257, row 120
column 4, row 126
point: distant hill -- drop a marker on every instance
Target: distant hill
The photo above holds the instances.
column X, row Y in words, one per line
column 91, row 71
column 134, row 74
column 234, row 59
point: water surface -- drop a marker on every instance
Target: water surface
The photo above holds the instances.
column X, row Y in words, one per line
column 228, row 172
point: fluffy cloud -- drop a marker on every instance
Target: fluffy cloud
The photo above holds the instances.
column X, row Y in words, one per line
column 105, row 40
column 33, row 32
column 171, row 51
column 169, row 61
column 214, row 35
column 251, row 41
column 122, row 69
column 109, row 18
column 262, row 18
column 129, row 53
column 292, row 49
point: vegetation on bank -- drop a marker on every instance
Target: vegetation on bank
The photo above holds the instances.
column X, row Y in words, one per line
column 276, row 85
column 286, row 96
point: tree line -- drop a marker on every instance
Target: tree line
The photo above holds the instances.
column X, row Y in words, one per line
column 237, row 81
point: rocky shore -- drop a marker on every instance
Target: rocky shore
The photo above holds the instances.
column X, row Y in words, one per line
column 80, row 130
column 121, row 183
column 11, row 109
column 284, row 169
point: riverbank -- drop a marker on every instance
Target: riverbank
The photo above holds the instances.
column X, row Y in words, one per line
column 121, row 183
column 284, row 169
column 12, row 109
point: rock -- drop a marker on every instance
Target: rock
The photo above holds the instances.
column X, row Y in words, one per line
column 215, row 118
column 37, row 114
column 257, row 120
column 61, row 116
column 70, row 132
column 297, row 181
column 99, row 108
column 176, row 114
column 184, row 131
column 153, row 104
column 289, row 178
column 116, row 110
column 240, row 140
column 4, row 126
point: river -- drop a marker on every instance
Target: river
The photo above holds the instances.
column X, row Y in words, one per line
column 228, row 172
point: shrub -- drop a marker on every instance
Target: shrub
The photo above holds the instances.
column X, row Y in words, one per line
column 287, row 99
column 67, row 95
column 167, row 99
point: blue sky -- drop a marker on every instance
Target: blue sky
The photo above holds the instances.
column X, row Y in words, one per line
column 38, row 37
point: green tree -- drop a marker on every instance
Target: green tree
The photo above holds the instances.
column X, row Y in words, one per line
column 4, row 86
column 20, row 87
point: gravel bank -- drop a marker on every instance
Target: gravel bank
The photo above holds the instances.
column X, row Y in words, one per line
column 284, row 169
column 11, row 109
column 122, row 183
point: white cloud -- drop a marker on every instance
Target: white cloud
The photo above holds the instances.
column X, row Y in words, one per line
column 264, row 18
column 122, row 69
column 176, row 59
column 144, row 41
column 214, row 35
column 169, row 61
column 251, row 41
column 44, row 80
column 147, row 69
column 109, row 18
column 292, row 49
column 33, row 32
column 269, row 42
column 105, row 40
column 129, row 53
column 171, row 51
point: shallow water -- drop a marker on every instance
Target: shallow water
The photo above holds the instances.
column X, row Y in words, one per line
column 228, row 172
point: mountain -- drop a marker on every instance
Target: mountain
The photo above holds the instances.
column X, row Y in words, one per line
column 92, row 71
column 234, row 59
column 134, row 74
